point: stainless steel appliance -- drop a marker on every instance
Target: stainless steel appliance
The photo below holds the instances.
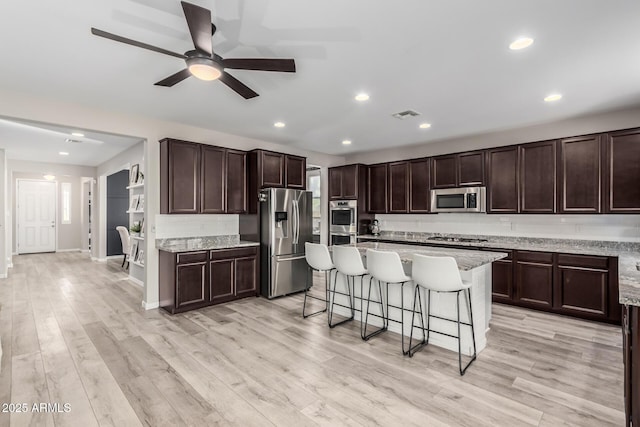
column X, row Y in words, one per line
column 285, row 226
column 467, row 199
column 343, row 226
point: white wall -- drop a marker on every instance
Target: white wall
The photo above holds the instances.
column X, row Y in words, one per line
column 565, row 128
column 26, row 106
column 5, row 236
column 590, row 227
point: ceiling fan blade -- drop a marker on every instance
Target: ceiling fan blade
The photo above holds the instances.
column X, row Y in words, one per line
column 125, row 40
column 199, row 22
column 260, row 64
column 174, row 78
column 243, row 90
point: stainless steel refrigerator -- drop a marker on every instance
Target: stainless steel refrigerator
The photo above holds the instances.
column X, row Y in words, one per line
column 285, row 226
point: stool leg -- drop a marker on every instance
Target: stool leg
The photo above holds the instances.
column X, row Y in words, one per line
column 417, row 298
column 306, row 292
column 404, row 352
column 363, row 330
column 333, row 300
column 473, row 337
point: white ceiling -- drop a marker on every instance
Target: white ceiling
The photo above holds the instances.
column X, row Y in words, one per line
column 448, row 60
column 38, row 142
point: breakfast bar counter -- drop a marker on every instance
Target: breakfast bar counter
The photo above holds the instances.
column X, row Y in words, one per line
column 474, row 266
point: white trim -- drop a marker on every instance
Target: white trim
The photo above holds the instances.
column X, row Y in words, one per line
column 136, row 281
column 69, row 250
column 136, row 263
column 10, row 265
column 150, row 305
column 85, row 251
column 98, row 259
column 114, row 256
column 2, row 276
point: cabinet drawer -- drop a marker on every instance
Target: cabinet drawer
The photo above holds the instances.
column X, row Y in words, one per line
column 191, row 257
column 233, row 253
column 540, row 257
column 596, row 262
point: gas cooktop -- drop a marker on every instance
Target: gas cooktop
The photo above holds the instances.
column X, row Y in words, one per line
column 456, row 239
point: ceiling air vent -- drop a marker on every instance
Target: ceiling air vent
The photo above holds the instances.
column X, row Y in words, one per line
column 405, row 114
column 75, row 141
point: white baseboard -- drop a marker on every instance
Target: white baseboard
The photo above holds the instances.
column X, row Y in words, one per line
column 98, row 259
column 150, row 305
column 69, row 250
column 85, row 251
column 2, row 276
column 115, row 256
column 10, row 265
column 136, row 281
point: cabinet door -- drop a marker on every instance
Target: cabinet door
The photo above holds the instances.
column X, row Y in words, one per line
column 534, row 279
column 502, row 280
column 246, row 275
column 236, row 179
column 538, row 177
column 191, row 285
column 335, row 183
column 221, row 278
column 444, row 171
column 350, row 182
column 419, row 189
column 582, row 291
column 623, row 172
column 377, row 190
column 580, row 175
column 502, row 180
column 398, row 187
column 296, row 172
column 212, row 180
column 183, row 170
column 271, row 170
column 471, row 169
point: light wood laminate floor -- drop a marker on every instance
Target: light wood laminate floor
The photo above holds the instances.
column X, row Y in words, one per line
column 73, row 332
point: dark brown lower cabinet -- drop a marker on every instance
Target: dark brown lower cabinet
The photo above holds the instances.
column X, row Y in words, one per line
column 190, row 280
column 631, row 339
column 577, row 285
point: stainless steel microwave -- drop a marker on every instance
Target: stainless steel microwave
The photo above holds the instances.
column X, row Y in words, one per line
column 467, row 199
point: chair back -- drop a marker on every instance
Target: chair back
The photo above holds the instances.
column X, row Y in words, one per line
column 318, row 256
column 124, row 238
column 385, row 266
column 348, row 260
column 436, row 273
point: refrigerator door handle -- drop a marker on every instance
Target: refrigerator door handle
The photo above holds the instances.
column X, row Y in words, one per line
column 291, row 258
column 296, row 222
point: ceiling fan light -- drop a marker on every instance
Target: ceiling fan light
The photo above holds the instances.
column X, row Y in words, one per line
column 204, row 68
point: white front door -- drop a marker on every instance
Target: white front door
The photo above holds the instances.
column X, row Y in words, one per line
column 36, row 216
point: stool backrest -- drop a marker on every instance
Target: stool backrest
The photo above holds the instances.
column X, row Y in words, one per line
column 385, row 266
column 348, row 260
column 317, row 256
column 437, row 273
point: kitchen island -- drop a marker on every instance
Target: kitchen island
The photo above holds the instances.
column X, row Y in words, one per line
column 475, row 267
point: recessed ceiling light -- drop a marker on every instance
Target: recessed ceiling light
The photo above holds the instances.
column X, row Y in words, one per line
column 346, row 142
column 521, row 43
column 279, row 124
column 78, row 134
column 49, row 177
column 63, row 153
column 553, row 97
column 425, row 125
column 362, row 97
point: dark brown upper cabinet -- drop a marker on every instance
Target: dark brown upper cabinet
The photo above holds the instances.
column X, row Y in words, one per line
column 236, row 178
column 502, row 191
column 538, row 177
column 199, row 178
column 270, row 169
column 345, row 182
column 179, row 177
column 377, row 189
column 623, row 172
column 398, row 187
column 458, row 170
column 296, row 172
column 419, row 188
column 580, row 175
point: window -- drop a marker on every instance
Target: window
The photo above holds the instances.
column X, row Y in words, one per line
column 313, row 185
column 66, row 202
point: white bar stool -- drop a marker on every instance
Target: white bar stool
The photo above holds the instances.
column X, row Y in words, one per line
column 440, row 274
column 385, row 267
column 348, row 262
column 318, row 258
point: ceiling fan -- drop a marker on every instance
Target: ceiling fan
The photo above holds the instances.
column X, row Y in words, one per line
column 202, row 62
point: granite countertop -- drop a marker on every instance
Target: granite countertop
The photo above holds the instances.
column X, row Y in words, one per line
column 466, row 259
column 188, row 244
column 628, row 253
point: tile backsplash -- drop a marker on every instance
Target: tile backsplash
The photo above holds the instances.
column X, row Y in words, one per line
column 175, row 226
column 591, row 227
